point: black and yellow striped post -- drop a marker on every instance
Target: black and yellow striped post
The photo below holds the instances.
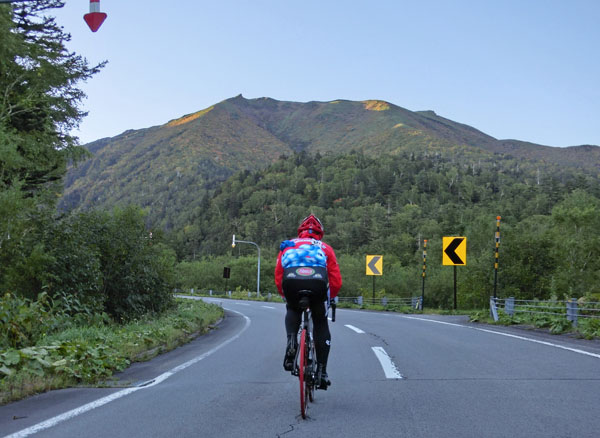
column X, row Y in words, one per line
column 496, row 254
column 424, row 269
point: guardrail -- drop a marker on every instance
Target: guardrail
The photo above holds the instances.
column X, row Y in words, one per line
column 413, row 302
column 571, row 309
column 267, row 296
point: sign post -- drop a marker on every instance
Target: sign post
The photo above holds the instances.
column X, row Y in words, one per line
column 454, row 254
column 424, row 269
column 374, row 268
column 496, row 253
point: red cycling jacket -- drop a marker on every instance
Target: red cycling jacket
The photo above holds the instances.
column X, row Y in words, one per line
column 333, row 269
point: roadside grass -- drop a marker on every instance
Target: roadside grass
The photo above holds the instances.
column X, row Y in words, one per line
column 587, row 328
column 88, row 355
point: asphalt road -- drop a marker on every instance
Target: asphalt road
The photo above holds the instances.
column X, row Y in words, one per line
column 393, row 375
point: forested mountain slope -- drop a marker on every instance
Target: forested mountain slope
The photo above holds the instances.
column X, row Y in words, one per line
column 390, row 204
column 170, row 169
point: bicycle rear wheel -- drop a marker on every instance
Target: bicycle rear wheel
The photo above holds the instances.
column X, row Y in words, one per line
column 303, row 368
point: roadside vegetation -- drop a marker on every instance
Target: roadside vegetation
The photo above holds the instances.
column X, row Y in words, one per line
column 44, row 348
column 586, row 328
column 81, row 295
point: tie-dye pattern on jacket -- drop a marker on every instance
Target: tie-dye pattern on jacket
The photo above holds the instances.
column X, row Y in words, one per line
column 303, row 252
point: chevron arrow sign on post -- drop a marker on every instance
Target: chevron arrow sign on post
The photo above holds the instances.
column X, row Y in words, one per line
column 374, row 265
column 454, row 251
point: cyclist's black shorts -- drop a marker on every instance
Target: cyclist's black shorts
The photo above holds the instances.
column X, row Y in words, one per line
column 305, row 278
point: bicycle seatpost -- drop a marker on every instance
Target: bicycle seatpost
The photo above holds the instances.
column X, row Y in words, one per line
column 304, row 303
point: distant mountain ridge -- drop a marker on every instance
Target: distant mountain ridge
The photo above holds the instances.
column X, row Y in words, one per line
column 182, row 160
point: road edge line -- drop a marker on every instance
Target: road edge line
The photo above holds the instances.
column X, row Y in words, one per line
column 509, row 335
column 51, row 422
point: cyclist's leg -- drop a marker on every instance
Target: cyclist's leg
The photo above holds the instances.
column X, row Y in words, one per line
column 321, row 332
column 322, row 338
column 293, row 317
column 292, row 320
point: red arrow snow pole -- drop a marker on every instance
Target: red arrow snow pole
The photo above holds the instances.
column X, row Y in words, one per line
column 95, row 18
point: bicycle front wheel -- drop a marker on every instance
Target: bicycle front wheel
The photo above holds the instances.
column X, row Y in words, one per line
column 302, row 370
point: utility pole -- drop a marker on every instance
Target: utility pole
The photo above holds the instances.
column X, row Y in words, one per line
column 233, row 242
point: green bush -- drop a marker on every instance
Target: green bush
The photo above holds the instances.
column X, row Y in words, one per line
column 589, row 327
column 91, row 352
column 137, row 269
column 74, row 273
column 22, row 321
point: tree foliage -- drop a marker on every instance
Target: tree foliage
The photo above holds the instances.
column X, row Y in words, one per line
column 388, row 205
column 39, row 95
column 39, row 106
column 91, row 262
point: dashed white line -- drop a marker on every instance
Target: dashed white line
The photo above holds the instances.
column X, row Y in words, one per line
column 242, row 304
column 268, row 307
column 390, row 370
column 356, row 329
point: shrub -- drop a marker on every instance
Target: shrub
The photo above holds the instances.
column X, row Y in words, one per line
column 23, row 321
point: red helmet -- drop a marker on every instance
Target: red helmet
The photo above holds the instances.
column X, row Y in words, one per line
column 313, row 226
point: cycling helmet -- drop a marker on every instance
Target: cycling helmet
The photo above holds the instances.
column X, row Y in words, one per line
column 312, row 225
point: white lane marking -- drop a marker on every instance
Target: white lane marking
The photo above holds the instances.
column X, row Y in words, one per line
column 523, row 338
column 112, row 397
column 242, row 304
column 390, row 370
column 356, row 329
column 268, row 307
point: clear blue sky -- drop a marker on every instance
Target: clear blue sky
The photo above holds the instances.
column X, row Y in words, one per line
column 520, row 69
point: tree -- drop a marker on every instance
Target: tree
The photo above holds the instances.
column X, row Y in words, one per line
column 577, row 219
column 39, row 97
column 39, row 107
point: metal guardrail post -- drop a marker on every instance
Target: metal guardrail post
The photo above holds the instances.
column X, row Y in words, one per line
column 572, row 311
column 360, row 300
column 509, row 306
column 493, row 308
column 384, row 302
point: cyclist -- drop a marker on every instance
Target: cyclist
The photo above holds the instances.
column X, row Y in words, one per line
column 321, row 275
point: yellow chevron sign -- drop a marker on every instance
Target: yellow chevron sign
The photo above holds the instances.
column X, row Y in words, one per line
column 454, row 251
column 374, row 265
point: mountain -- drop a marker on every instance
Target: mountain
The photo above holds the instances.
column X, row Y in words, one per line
column 172, row 169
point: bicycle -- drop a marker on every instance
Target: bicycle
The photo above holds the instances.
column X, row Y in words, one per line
column 305, row 362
